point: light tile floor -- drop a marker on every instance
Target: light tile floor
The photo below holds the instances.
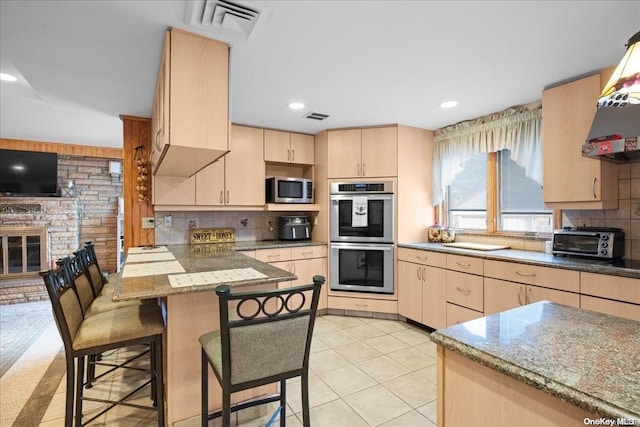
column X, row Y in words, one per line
column 363, row 372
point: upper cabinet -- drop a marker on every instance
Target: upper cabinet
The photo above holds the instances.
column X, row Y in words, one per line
column 572, row 181
column 286, row 147
column 238, row 178
column 363, row 153
column 190, row 115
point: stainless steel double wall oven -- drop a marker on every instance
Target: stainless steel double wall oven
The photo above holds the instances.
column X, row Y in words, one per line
column 361, row 229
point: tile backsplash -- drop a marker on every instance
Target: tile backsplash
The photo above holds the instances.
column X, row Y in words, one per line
column 248, row 225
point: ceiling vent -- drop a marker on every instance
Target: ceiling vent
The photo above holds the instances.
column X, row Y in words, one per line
column 315, row 115
column 225, row 18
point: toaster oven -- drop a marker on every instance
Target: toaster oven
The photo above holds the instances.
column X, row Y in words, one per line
column 589, row 242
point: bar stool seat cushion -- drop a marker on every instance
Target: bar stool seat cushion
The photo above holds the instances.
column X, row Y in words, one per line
column 120, row 325
column 270, row 338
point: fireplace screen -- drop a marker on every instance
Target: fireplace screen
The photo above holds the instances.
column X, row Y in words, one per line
column 22, row 251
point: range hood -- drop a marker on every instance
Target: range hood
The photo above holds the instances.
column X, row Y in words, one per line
column 615, row 135
column 615, row 132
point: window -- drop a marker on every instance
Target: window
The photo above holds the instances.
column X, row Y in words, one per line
column 493, row 193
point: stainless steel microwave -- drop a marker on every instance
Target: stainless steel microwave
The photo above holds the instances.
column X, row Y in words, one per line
column 288, row 190
column 589, row 242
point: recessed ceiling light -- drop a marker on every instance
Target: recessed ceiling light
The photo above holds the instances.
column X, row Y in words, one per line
column 8, row 77
column 449, row 104
column 296, row 105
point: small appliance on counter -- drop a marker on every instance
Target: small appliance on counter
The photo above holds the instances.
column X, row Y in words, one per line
column 294, row 228
column 589, row 242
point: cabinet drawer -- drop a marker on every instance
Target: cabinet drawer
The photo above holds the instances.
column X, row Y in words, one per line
column 614, row 308
column 273, row 255
column 434, row 259
column 362, row 304
column 306, row 252
column 457, row 314
column 623, row 289
column 536, row 293
column 465, row 290
column 554, row 278
column 465, row 264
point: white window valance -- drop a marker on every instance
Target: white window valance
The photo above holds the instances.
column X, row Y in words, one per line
column 518, row 129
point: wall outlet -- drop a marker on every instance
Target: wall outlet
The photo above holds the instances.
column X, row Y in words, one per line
column 148, row 222
column 268, row 221
column 168, row 221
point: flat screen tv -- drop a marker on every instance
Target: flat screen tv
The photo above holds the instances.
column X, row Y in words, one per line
column 28, row 173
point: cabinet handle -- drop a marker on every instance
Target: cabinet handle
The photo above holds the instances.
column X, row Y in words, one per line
column 520, row 295
column 307, row 254
column 523, row 274
column 463, row 265
column 464, row 292
column 361, row 305
column 293, row 155
column 288, row 155
column 529, row 295
column 358, row 170
column 422, row 258
column 156, row 138
column 419, row 273
column 227, row 196
column 273, row 257
column 424, row 274
column 364, row 169
column 593, row 187
column 221, row 197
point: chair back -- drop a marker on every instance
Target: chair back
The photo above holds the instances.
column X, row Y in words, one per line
column 266, row 336
column 79, row 278
column 66, row 307
column 97, row 279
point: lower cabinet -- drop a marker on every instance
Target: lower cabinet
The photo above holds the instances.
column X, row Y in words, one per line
column 618, row 296
column 500, row 295
column 303, row 261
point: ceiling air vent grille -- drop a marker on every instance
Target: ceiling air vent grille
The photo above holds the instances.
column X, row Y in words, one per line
column 315, row 115
column 224, row 17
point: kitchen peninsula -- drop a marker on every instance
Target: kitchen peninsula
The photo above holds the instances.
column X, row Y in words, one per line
column 184, row 278
column 541, row 364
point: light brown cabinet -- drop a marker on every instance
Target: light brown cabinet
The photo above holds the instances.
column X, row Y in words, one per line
column 190, row 115
column 287, row 147
column 238, row 178
column 360, row 153
column 235, row 180
column 421, row 287
column 572, row 181
column 500, row 295
column 303, row 261
column 618, row 296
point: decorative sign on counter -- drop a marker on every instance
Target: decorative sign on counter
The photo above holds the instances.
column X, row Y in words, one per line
column 212, row 235
column 214, row 277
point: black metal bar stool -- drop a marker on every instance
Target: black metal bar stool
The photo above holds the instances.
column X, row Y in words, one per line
column 266, row 339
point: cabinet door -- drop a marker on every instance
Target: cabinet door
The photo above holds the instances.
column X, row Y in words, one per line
column 535, row 294
column 568, row 111
column 410, row 290
column 286, row 266
column 210, row 185
column 379, row 152
column 614, row 308
column 500, row 295
column 277, row 146
column 434, row 297
column 174, row 190
column 343, row 147
column 244, row 167
column 302, row 149
column 305, row 269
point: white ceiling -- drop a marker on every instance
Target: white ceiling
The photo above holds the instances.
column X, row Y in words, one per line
column 81, row 64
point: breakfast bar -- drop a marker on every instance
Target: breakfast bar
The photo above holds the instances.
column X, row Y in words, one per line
column 184, row 278
column 540, row 364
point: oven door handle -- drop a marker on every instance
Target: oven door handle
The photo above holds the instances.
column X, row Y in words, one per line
column 366, row 246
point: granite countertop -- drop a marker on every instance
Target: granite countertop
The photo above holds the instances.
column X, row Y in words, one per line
column 632, row 270
column 194, row 259
column 588, row 359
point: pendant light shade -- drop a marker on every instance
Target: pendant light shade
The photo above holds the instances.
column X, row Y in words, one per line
column 623, row 88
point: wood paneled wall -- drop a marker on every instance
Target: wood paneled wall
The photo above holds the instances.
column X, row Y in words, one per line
column 61, row 148
column 137, row 132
